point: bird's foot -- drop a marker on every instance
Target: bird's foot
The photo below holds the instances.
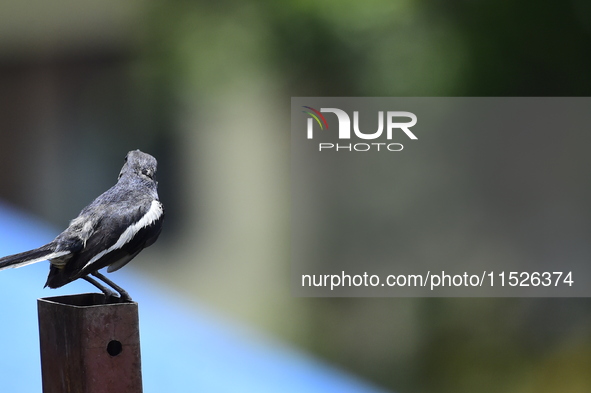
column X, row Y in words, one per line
column 124, row 296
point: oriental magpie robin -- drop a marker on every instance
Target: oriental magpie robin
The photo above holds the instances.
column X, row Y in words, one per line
column 110, row 231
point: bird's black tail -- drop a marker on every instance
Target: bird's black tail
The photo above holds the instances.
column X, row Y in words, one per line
column 28, row 257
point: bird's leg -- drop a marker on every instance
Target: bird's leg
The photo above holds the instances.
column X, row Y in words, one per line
column 124, row 295
column 108, row 293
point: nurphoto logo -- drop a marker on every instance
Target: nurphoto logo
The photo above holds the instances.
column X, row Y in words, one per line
column 395, row 121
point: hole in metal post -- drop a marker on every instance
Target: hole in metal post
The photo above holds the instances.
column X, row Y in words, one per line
column 114, row 347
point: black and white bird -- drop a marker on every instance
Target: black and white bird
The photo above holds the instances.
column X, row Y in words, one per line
column 110, row 231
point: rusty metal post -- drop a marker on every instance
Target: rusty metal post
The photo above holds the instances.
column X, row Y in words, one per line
column 89, row 346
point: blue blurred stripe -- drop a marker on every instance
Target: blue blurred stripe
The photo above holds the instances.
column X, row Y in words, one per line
column 185, row 347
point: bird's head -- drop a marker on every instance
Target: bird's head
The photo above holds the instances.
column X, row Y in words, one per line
column 139, row 164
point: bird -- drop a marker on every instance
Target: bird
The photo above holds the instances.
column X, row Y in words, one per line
column 109, row 232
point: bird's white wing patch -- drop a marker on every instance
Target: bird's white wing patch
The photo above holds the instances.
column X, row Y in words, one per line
column 152, row 215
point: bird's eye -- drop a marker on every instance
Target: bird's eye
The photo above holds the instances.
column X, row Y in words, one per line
column 147, row 172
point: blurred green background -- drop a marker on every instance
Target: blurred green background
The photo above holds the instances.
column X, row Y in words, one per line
column 206, row 86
